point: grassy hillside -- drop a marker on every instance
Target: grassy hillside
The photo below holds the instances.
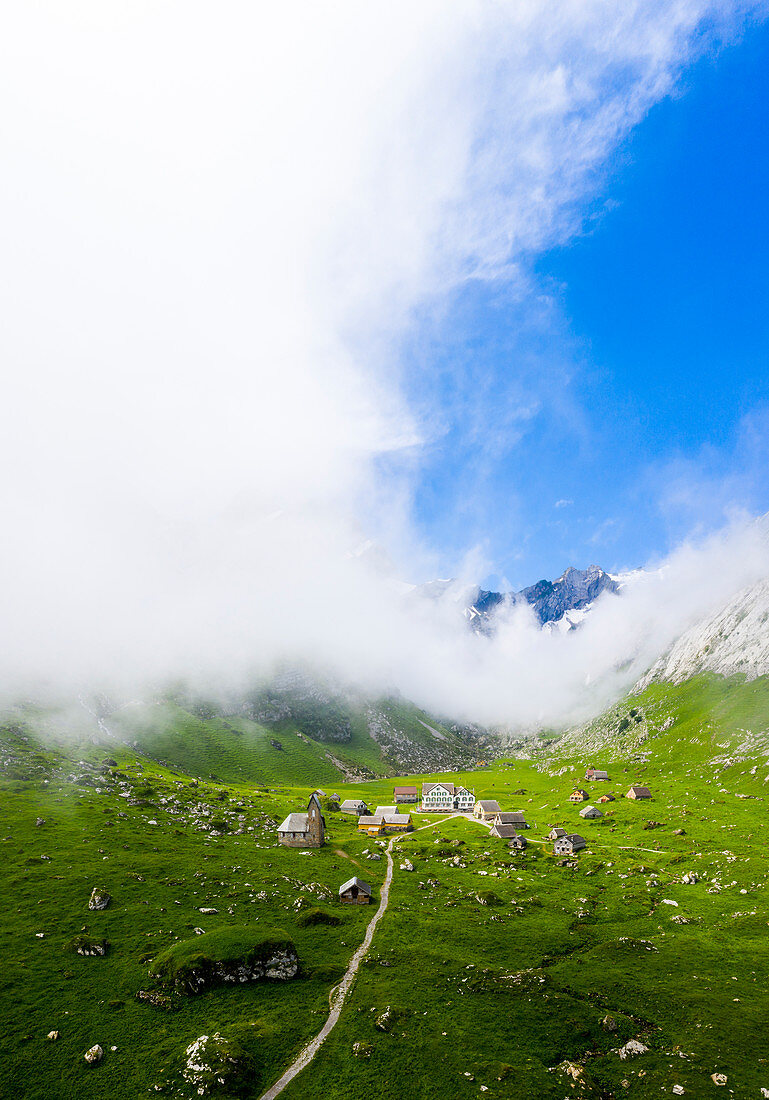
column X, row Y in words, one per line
column 386, row 737
column 499, row 969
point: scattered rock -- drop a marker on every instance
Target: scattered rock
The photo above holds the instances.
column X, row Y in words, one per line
column 384, row 1020
column 53, row 1036
column 207, row 912
column 678, row 1090
column 407, row 865
column 632, row 1048
column 362, row 1050
column 156, row 1000
column 679, row 832
column 690, row 878
column 608, row 1023
column 94, row 1054
column 40, row 821
column 84, row 945
column 571, row 1069
column 719, row 1078
column 99, row 898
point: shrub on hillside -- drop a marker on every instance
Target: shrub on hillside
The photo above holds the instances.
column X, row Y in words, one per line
column 310, row 917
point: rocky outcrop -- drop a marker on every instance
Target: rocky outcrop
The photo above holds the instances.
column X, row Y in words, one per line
column 85, row 945
column 279, row 965
column 214, row 1064
column 734, row 640
column 99, row 898
column 321, row 712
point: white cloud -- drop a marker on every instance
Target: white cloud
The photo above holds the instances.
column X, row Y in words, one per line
column 216, row 228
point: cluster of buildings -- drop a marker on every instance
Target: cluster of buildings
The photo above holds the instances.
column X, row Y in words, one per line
column 308, row 829
column 385, row 820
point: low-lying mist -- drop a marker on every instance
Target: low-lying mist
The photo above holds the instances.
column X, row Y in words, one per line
column 218, row 229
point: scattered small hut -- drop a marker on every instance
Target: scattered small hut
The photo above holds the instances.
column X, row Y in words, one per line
column 591, row 811
column 578, row 795
column 354, row 806
column 511, row 817
column 638, row 792
column 406, row 794
column 355, row 892
column 486, row 809
column 569, row 844
column 593, row 775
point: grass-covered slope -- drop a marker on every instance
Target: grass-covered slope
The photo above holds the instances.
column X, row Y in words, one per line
column 490, row 967
column 382, row 737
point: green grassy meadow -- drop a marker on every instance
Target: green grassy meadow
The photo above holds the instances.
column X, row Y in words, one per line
column 497, row 967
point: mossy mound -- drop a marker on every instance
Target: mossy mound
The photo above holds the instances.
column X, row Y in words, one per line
column 215, row 1064
column 229, row 955
column 488, row 897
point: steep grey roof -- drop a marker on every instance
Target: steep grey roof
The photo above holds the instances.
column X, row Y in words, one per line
column 591, row 811
column 554, row 834
column 511, row 817
column 600, row 775
column 489, row 805
column 505, row 831
column 641, row 792
column 394, row 819
column 382, row 811
column 576, row 840
column 427, row 787
column 363, row 887
column 406, row 790
column 369, row 819
column 352, row 803
column 294, row 823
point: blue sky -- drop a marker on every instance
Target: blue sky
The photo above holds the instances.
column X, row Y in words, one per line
column 617, row 403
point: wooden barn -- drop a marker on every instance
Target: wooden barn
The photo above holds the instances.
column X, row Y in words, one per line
column 578, row 795
column 354, row 806
column 511, row 817
column 639, row 792
column 355, row 892
column 591, row 811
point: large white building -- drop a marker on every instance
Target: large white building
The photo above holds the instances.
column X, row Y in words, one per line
column 447, row 798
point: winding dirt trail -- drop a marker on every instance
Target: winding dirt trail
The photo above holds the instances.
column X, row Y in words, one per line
column 340, row 992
